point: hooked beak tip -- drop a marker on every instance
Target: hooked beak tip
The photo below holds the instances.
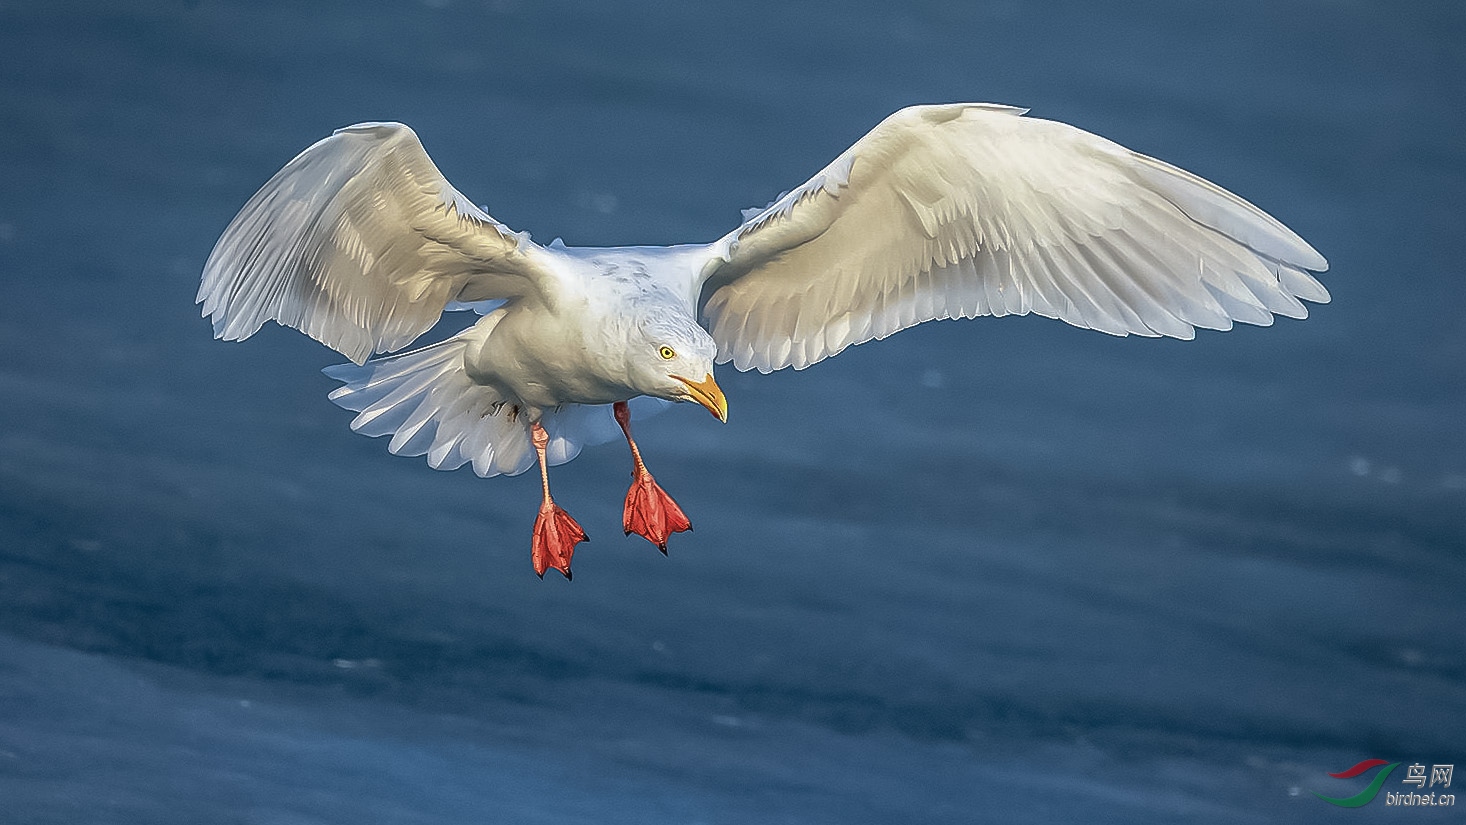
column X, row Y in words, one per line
column 707, row 393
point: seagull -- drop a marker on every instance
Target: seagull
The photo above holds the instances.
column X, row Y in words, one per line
column 941, row 211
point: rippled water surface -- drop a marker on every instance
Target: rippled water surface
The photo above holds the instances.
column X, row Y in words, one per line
column 990, row 571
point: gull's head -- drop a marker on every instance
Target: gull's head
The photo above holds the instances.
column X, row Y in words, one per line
column 672, row 358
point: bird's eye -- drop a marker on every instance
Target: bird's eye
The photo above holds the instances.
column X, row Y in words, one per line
column 667, row 352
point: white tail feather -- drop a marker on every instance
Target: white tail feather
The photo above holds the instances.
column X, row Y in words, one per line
column 430, row 406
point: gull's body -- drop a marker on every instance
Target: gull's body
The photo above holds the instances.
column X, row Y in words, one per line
column 554, row 352
column 948, row 211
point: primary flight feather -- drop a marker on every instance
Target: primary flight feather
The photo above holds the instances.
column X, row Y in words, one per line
column 948, row 211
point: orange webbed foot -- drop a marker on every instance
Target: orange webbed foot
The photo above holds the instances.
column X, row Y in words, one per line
column 651, row 513
column 555, row 537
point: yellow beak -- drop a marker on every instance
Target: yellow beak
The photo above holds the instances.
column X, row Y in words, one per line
column 707, row 393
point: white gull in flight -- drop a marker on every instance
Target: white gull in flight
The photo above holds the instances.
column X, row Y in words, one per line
column 944, row 211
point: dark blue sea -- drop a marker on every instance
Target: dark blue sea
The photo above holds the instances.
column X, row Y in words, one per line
column 1000, row 570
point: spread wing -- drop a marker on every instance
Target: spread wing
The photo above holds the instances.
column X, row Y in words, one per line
column 962, row 210
column 361, row 243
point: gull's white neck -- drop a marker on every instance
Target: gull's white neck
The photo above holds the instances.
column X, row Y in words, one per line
column 632, row 270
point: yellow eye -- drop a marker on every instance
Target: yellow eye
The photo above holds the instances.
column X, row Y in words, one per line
column 666, row 352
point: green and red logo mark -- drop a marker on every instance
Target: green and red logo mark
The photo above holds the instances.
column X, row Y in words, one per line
column 1367, row 795
column 1415, row 775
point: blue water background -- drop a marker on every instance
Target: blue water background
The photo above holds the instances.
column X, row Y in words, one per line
column 990, row 571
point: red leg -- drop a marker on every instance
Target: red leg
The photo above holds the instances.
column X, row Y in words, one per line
column 650, row 512
column 555, row 532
